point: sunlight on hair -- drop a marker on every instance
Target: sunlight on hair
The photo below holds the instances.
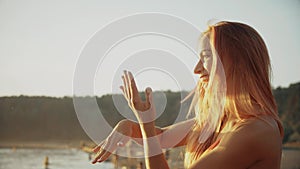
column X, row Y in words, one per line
column 208, row 107
column 247, row 65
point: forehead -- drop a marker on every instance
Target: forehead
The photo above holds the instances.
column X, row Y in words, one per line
column 205, row 42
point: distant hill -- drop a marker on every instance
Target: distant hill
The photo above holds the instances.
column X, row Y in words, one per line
column 42, row 119
column 288, row 102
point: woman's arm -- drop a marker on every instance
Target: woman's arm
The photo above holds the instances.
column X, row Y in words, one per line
column 144, row 132
column 145, row 113
column 154, row 157
column 169, row 137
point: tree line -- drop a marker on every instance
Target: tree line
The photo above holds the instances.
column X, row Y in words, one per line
column 41, row 118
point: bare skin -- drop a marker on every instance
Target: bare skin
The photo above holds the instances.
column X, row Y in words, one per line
column 133, row 131
column 177, row 132
column 253, row 143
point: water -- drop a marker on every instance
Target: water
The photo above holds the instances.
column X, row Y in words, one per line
column 58, row 159
column 290, row 159
column 76, row 159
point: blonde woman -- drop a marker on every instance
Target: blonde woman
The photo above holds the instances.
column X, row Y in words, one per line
column 236, row 125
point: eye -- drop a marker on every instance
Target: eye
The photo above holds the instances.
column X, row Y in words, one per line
column 205, row 55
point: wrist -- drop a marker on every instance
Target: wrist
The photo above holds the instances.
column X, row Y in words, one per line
column 148, row 124
column 148, row 129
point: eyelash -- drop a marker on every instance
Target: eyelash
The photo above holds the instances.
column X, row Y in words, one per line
column 206, row 57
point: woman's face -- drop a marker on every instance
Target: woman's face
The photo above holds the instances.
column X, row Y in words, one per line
column 203, row 67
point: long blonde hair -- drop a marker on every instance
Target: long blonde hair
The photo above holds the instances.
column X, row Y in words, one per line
column 245, row 93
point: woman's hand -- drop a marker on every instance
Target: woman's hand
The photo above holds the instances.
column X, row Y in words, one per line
column 117, row 138
column 143, row 110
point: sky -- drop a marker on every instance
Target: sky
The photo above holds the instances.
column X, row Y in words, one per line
column 41, row 40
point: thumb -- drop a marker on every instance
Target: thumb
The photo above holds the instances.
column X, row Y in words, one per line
column 148, row 94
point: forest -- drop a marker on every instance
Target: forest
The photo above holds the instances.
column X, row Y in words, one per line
column 44, row 119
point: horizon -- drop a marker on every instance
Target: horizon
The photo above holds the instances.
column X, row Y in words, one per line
column 99, row 96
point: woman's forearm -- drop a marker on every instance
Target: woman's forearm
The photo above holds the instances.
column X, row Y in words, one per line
column 169, row 137
column 154, row 156
column 137, row 133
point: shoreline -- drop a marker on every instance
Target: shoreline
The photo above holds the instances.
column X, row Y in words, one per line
column 291, row 146
column 83, row 144
column 46, row 144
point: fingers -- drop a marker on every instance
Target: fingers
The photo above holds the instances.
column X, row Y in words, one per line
column 124, row 78
column 100, row 152
column 130, row 89
column 106, row 148
column 133, row 87
column 129, row 85
column 105, row 151
column 124, row 92
column 104, row 156
column 148, row 94
column 97, row 148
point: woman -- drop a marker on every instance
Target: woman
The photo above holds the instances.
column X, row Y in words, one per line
column 236, row 123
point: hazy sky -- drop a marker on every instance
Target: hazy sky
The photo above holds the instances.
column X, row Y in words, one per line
column 40, row 40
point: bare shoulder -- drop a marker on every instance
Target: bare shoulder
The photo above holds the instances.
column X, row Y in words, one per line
column 263, row 131
column 254, row 143
column 258, row 140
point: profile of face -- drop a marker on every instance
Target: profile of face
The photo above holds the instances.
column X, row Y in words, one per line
column 203, row 67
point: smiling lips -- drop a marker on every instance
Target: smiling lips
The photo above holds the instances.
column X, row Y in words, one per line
column 204, row 78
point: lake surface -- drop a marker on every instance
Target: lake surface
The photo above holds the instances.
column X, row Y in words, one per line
column 290, row 159
column 76, row 159
column 58, row 159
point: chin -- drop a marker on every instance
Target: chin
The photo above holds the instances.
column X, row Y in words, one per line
column 204, row 80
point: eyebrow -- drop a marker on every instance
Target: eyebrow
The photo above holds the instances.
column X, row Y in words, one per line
column 205, row 50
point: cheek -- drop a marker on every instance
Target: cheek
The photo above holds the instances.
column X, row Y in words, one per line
column 207, row 65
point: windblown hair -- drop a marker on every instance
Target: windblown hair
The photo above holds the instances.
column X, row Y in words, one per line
column 246, row 62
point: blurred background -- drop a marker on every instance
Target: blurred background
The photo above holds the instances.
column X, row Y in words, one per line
column 39, row 47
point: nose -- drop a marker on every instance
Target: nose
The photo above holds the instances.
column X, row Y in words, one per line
column 199, row 67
